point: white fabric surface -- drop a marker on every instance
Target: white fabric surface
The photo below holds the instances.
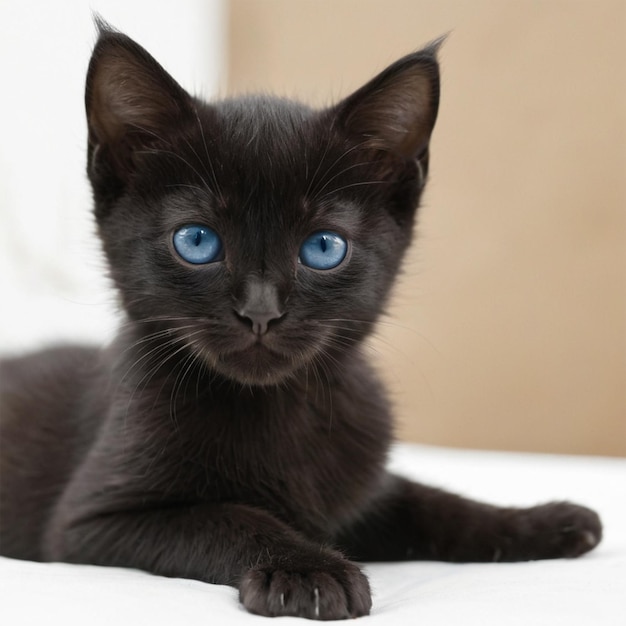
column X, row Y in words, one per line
column 589, row 591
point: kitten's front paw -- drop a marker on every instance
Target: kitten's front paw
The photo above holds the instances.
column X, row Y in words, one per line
column 560, row 529
column 338, row 591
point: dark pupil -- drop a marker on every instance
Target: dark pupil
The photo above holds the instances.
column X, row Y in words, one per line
column 197, row 238
column 323, row 244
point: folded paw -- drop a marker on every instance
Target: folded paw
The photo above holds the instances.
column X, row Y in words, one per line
column 337, row 590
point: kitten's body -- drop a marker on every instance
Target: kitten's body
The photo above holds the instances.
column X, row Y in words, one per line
column 233, row 432
column 282, row 449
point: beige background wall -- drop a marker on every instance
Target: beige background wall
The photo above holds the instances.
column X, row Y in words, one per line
column 508, row 329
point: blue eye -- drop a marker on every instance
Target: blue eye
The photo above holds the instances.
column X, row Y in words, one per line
column 323, row 250
column 198, row 244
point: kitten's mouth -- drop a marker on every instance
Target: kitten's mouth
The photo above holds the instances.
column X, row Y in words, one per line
column 257, row 360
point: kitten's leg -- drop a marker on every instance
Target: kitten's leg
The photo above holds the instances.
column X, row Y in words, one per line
column 412, row 521
column 277, row 571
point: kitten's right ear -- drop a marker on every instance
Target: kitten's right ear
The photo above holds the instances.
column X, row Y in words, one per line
column 132, row 104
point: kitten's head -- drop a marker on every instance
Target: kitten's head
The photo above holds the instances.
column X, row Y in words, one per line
column 261, row 234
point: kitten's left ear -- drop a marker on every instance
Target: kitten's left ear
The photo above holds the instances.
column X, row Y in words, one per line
column 395, row 112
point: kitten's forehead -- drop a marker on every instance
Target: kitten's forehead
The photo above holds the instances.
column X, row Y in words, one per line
column 263, row 122
column 273, row 167
column 266, row 150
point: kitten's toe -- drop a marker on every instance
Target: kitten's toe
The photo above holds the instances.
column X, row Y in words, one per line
column 335, row 593
column 562, row 529
column 579, row 527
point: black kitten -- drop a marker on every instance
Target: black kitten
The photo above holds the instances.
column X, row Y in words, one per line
column 233, row 432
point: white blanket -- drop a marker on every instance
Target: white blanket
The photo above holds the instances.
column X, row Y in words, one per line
column 590, row 591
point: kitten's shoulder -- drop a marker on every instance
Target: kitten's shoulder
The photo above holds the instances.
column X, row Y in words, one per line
column 42, row 382
column 52, row 363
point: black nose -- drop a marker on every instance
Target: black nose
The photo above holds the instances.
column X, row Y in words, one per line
column 260, row 307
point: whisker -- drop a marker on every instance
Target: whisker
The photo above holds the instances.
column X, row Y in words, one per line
column 178, row 383
column 176, row 155
column 315, row 192
column 185, row 346
column 338, row 174
column 351, row 185
column 319, row 165
column 153, row 337
column 157, row 358
column 212, row 173
column 390, row 324
column 319, row 362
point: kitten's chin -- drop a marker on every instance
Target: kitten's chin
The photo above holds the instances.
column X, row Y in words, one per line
column 256, row 365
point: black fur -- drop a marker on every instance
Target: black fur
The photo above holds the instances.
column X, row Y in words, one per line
column 234, row 432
